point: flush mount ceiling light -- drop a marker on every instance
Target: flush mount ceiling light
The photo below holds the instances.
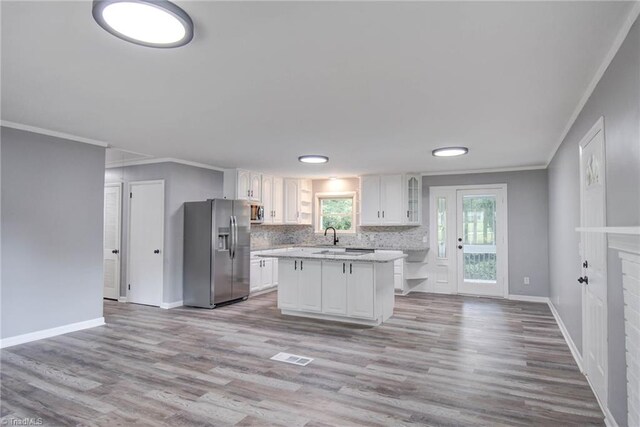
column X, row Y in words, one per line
column 450, row 151
column 152, row 23
column 313, row 158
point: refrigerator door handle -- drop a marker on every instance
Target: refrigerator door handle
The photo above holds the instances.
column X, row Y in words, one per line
column 235, row 235
column 231, row 237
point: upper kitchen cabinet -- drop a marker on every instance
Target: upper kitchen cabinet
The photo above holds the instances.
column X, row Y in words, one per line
column 297, row 201
column 272, row 199
column 390, row 200
column 242, row 185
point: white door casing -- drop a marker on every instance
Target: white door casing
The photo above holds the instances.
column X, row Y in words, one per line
column 111, row 239
column 593, row 247
column 146, row 242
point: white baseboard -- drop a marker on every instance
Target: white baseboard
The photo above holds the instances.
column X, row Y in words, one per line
column 168, row 305
column 608, row 417
column 122, row 299
column 48, row 333
column 565, row 333
column 528, row 298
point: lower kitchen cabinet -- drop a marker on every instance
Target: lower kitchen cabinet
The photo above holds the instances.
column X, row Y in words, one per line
column 310, row 285
column 300, row 284
column 348, row 288
column 360, row 290
column 336, row 290
column 334, row 287
column 263, row 273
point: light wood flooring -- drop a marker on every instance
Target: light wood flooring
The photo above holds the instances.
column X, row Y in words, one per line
column 440, row 360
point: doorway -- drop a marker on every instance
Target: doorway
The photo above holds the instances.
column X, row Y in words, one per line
column 146, row 242
column 111, row 239
column 594, row 259
column 469, row 235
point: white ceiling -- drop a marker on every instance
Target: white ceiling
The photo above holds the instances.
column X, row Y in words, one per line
column 373, row 85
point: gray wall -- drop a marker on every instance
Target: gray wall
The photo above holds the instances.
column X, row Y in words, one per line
column 617, row 98
column 52, row 209
column 528, row 223
column 182, row 183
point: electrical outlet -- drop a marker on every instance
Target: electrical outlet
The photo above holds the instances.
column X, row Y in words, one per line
column 526, row 280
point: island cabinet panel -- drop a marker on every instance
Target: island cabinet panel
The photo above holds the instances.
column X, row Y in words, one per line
column 310, row 285
column 360, row 290
column 334, row 287
column 288, row 284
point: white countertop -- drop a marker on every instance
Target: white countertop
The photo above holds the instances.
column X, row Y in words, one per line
column 335, row 255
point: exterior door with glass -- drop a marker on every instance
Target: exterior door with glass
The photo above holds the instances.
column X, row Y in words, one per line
column 480, row 242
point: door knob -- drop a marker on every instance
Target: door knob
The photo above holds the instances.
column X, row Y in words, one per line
column 115, row 251
column 584, row 280
column 459, row 246
column 157, row 251
column 459, row 239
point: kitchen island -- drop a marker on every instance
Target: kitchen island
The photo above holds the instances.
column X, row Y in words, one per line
column 346, row 285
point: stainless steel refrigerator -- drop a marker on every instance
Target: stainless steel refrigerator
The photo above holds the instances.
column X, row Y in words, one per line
column 216, row 252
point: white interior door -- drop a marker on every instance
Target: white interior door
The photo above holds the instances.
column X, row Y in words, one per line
column 481, row 242
column 594, row 259
column 111, row 239
column 146, row 242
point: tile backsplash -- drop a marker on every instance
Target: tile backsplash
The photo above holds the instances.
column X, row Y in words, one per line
column 265, row 236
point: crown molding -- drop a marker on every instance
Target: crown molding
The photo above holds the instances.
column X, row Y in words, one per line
column 491, row 170
column 161, row 160
column 56, row 134
column 617, row 42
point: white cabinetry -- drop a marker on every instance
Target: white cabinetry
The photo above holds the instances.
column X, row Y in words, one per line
column 300, row 285
column 242, row 185
column 263, row 273
column 334, row 287
column 336, row 290
column 390, row 200
column 272, row 199
column 360, row 290
column 297, row 201
column 278, row 200
column 291, row 200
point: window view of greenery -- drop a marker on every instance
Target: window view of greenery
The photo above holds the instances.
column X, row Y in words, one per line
column 337, row 213
column 479, row 238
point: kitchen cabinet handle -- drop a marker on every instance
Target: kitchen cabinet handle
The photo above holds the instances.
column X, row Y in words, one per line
column 343, row 268
column 248, row 193
column 157, row 251
column 382, row 214
column 295, row 266
column 115, row 251
column 378, row 214
column 407, row 214
column 300, row 265
column 350, row 268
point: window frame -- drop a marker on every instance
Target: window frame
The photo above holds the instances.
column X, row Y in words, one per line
column 335, row 195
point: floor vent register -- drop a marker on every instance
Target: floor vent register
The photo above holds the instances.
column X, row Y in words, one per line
column 292, row 358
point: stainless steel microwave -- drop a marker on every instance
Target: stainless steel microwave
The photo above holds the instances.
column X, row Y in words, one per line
column 257, row 214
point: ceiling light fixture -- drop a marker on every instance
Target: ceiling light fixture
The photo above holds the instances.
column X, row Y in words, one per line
column 450, row 151
column 151, row 23
column 313, row 158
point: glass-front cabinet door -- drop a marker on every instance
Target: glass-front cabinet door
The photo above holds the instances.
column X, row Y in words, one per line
column 413, row 195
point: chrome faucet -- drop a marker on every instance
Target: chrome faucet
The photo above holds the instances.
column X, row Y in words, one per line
column 335, row 236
